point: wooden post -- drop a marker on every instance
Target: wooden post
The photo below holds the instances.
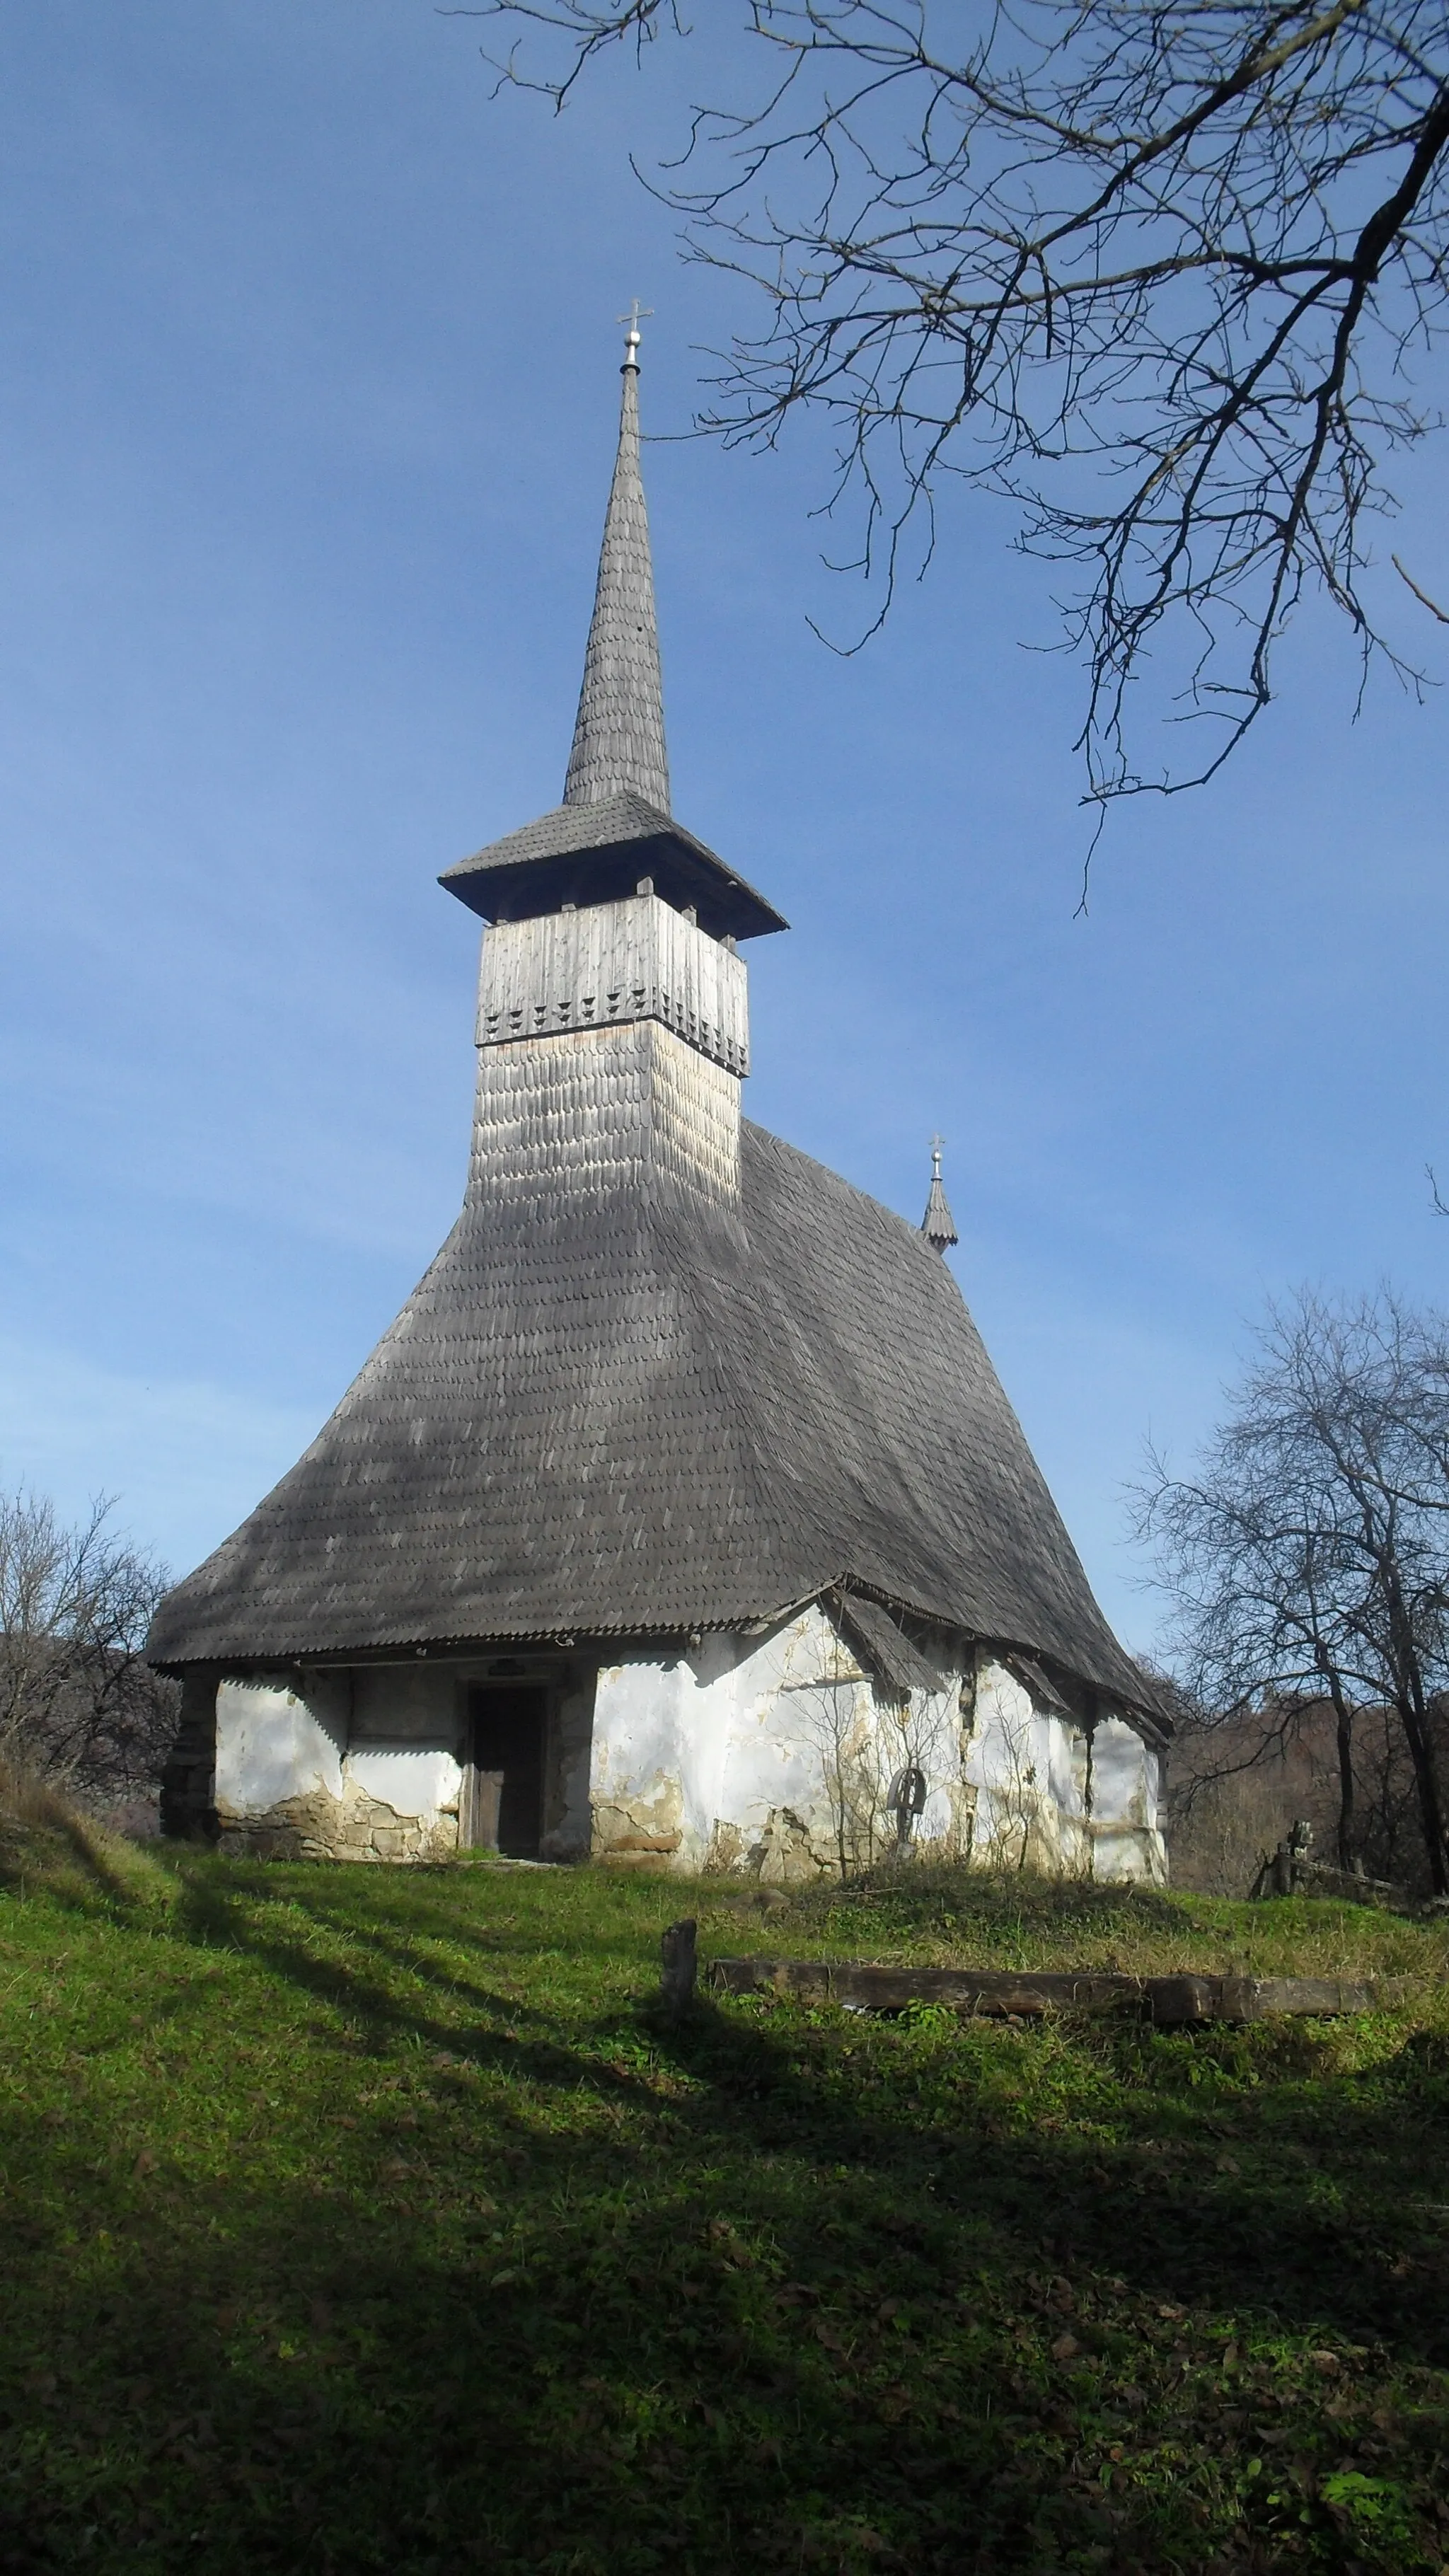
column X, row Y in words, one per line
column 677, row 1969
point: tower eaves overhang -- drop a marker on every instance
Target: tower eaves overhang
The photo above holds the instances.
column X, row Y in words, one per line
column 597, row 853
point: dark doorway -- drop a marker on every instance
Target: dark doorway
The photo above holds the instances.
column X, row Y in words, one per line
column 507, row 1725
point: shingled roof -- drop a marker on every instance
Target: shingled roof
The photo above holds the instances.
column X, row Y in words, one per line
column 597, row 854
column 640, row 1421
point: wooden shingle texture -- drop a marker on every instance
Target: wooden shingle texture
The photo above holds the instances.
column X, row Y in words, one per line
column 618, row 745
column 637, row 1417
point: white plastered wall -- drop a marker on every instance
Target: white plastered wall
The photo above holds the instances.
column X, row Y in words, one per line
column 1127, row 1833
column 760, row 1754
column 767, row 1755
column 349, row 1741
column 272, row 1745
column 403, row 1739
column 1049, row 1795
column 775, row 1755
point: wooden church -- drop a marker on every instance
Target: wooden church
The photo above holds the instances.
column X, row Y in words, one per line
column 680, row 1519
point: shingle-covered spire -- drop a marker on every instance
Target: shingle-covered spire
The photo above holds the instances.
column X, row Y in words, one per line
column 938, row 1225
column 619, row 732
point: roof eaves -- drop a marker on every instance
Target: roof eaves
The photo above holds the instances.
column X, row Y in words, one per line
column 591, row 853
column 409, row 1643
column 885, row 1645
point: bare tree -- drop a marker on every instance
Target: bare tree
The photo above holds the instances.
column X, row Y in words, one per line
column 839, row 1721
column 1157, row 274
column 1308, row 1557
column 866, row 1739
column 76, row 1697
column 1014, row 1793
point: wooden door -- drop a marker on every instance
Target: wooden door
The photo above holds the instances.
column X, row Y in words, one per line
column 507, row 1725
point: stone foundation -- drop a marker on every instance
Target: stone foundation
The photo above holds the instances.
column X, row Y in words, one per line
column 317, row 1827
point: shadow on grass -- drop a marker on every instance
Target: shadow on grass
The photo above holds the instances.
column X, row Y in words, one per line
column 766, row 2290
column 1311, row 2241
column 1331, row 2237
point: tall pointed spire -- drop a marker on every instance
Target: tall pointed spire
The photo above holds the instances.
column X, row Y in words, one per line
column 938, row 1225
column 619, row 731
column 614, row 827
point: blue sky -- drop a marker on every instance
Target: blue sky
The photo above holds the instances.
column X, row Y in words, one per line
column 308, row 407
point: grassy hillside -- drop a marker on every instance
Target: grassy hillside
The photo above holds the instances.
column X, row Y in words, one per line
column 366, row 2220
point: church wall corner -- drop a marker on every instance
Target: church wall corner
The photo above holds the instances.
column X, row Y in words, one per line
column 188, row 1780
column 768, row 1756
column 1056, row 1794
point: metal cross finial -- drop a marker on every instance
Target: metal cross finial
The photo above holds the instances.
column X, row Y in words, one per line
column 937, row 1143
column 636, row 314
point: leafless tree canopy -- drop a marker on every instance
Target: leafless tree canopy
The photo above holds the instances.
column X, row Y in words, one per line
column 1308, row 1558
column 1160, row 274
column 76, row 1698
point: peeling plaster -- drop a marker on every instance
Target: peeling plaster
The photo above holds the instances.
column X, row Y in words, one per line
column 289, row 1780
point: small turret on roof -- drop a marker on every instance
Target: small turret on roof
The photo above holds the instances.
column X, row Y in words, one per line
column 938, row 1225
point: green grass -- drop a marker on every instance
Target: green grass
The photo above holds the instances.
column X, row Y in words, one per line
column 361, row 2219
column 935, row 1917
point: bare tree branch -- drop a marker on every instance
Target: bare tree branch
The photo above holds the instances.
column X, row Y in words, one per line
column 1161, row 277
column 77, row 1698
column 1308, row 1559
column 1436, row 611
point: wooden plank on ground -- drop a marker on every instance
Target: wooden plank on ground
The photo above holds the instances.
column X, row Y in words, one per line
column 1028, row 1993
column 1310, row 1995
column 981, row 1990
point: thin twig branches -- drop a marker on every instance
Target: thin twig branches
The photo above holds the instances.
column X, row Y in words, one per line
column 1160, row 275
